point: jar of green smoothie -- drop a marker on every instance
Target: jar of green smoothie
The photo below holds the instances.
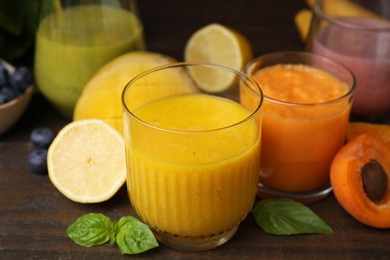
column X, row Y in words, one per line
column 75, row 39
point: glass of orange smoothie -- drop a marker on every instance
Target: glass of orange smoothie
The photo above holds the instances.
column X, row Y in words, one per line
column 192, row 156
column 307, row 103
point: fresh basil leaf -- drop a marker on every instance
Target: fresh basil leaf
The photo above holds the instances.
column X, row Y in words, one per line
column 114, row 231
column 90, row 230
column 133, row 236
column 288, row 217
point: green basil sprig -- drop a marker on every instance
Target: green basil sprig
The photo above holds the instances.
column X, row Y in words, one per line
column 131, row 235
column 288, row 217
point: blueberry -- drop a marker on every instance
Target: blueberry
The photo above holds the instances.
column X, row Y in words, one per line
column 7, row 93
column 42, row 137
column 3, row 98
column 3, row 75
column 21, row 78
column 37, row 161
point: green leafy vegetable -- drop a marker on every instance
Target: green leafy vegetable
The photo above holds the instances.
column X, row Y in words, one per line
column 90, row 230
column 18, row 24
column 288, row 217
column 131, row 235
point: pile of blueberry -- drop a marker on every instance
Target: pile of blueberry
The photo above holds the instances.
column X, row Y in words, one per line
column 41, row 138
column 13, row 84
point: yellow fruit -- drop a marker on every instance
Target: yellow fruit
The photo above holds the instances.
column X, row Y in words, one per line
column 342, row 8
column 217, row 44
column 86, row 161
column 345, row 8
column 311, row 3
column 302, row 21
column 101, row 97
column 333, row 8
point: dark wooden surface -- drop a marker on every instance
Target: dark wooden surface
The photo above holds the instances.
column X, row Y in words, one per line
column 34, row 216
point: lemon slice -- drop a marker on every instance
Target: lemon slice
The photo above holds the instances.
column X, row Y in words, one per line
column 86, row 161
column 217, row 44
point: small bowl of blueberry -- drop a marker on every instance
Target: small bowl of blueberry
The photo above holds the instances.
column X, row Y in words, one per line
column 16, row 90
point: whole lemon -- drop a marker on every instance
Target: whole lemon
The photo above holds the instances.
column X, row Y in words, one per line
column 101, row 97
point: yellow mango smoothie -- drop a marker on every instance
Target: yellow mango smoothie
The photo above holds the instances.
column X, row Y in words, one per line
column 305, row 117
column 74, row 43
column 193, row 170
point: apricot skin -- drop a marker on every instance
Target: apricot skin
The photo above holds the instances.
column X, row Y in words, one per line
column 379, row 131
column 347, row 183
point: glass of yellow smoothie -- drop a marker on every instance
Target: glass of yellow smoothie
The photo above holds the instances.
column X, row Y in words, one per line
column 307, row 103
column 76, row 38
column 193, row 157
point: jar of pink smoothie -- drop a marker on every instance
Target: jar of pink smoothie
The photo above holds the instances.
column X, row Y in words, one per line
column 363, row 45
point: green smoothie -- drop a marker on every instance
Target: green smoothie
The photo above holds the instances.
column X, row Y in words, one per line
column 72, row 44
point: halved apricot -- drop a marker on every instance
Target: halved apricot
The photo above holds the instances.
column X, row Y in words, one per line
column 360, row 177
column 380, row 131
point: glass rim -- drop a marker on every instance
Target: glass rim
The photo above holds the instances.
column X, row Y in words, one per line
column 240, row 74
column 317, row 9
column 349, row 93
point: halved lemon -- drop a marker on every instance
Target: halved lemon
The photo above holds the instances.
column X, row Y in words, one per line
column 86, row 161
column 217, row 44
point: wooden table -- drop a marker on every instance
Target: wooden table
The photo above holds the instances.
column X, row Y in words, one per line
column 34, row 216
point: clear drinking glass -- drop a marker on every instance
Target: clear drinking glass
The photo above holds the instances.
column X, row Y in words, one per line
column 193, row 157
column 361, row 41
column 307, row 101
column 75, row 39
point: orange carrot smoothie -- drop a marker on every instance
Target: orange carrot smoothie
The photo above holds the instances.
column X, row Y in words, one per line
column 304, row 124
column 192, row 172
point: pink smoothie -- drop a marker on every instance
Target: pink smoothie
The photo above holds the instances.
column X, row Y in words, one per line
column 367, row 54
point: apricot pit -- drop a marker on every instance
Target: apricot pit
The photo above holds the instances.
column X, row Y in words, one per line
column 374, row 180
column 360, row 179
